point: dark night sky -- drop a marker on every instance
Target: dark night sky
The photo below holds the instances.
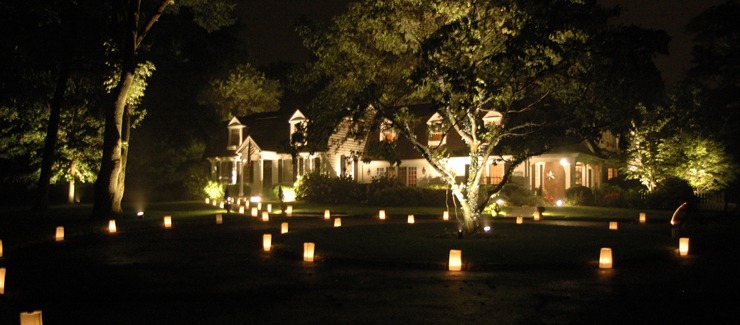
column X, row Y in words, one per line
column 272, row 38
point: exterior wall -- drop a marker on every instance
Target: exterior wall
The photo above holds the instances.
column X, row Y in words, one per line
column 344, row 153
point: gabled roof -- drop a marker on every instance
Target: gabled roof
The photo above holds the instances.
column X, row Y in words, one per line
column 270, row 131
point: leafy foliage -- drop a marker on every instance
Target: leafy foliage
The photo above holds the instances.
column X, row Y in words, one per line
column 243, row 91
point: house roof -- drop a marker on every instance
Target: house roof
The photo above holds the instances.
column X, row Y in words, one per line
column 271, row 130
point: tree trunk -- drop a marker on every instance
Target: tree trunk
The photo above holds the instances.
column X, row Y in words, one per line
column 50, row 142
column 108, row 193
column 72, row 175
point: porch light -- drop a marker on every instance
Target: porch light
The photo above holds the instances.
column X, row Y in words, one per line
column 289, row 210
column 337, row 222
column 327, row 214
column 519, row 220
column 31, row 318
column 284, row 228
column 308, row 251
column 60, row 234
column 613, row 225
column 266, row 242
column 381, row 214
column 643, row 217
column 455, row 260
column 219, row 219
column 265, row 216
column 254, row 211
column 2, row 280
column 410, row 218
column 605, row 258
column 112, row 226
column 683, row 246
column 446, row 215
column 564, row 162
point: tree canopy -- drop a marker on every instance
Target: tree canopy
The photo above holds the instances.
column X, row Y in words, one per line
column 540, row 65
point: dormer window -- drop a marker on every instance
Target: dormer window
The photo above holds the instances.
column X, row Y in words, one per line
column 235, row 129
column 387, row 132
column 493, row 117
column 436, row 131
column 298, row 123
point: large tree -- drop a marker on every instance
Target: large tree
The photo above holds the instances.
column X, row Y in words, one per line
column 136, row 21
column 540, row 65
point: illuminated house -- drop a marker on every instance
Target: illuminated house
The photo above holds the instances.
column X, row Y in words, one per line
column 257, row 156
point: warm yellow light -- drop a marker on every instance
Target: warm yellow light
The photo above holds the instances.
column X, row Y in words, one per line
column 208, row 201
column 605, row 258
column 284, row 228
column 455, row 260
column 269, row 207
column 446, row 215
column 308, row 250
column 255, row 199
column 221, row 205
column 536, row 215
column 2, row 280
column 214, row 203
column 219, row 219
column 60, row 234
column 381, row 214
column 337, row 222
column 519, row 220
column 683, row 246
column 410, row 218
column 168, row 221
column 643, row 217
column 112, row 226
column 31, row 318
column 266, row 242
column 265, row 216
column 327, row 214
column 254, row 212
column 289, row 210
column 613, row 225
column 241, row 209
column 1, row 248
column 259, row 205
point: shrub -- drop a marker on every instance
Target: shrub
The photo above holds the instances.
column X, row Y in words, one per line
column 317, row 188
column 214, row 190
column 407, row 196
column 517, row 195
column 579, row 195
column 670, row 194
column 608, row 195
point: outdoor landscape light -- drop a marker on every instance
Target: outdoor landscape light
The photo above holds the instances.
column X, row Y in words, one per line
column 214, row 202
column 643, row 217
column 683, row 246
column 208, row 201
column 219, row 219
column 266, row 242
column 381, row 214
column 265, row 216
column 168, row 221
column 308, row 249
column 605, row 258
column 254, row 211
column 221, row 205
column 327, row 214
column 2, row 280
column 612, row 225
column 337, row 222
column 289, row 210
column 536, row 215
column 1, row 248
column 487, row 228
column 269, row 207
column 31, row 318
column 446, row 215
column 140, row 214
column 241, row 209
column 411, row 218
column 519, row 220
column 284, row 228
column 112, row 226
column 455, row 260
column 60, row 234
column 559, row 203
